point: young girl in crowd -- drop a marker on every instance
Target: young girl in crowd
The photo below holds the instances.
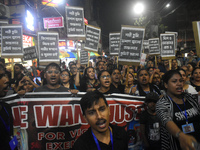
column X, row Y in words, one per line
column 105, row 81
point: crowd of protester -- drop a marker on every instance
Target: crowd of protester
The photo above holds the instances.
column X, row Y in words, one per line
column 172, row 83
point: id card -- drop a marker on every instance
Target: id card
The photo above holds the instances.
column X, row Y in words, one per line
column 188, row 128
column 13, row 143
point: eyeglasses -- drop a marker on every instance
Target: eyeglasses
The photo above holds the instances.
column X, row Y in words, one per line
column 51, row 72
column 73, row 67
column 104, row 76
column 64, row 75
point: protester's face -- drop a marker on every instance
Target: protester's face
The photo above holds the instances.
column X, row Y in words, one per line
column 131, row 71
column 73, row 69
column 91, row 73
column 52, row 76
column 150, row 64
column 105, row 79
column 151, row 106
column 90, row 64
column 166, row 63
column 143, row 77
column 17, row 69
column 175, row 85
column 196, row 75
column 190, row 68
column 98, row 117
column 184, row 77
column 151, row 71
column 28, row 87
column 64, row 77
column 156, row 79
column 174, row 63
column 116, row 76
column 101, row 66
column 105, row 66
column 3, row 84
column 130, row 79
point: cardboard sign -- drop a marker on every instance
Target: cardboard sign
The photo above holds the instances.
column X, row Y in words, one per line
column 12, row 41
column 196, row 31
column 143, row 58
column 154, row 46
column 83, row 57
column 2, row 22
column 30, row 53
column 146, row 46
column 92, row 38
column 114, row 41
column 75, row 22
column 167, row 45
column 176, row 37
column 54, row 22
column 131, row 43
column 48, row 47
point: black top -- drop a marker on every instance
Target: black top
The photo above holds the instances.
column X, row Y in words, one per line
column 119, row 89
column 46, row 89
column 152, row 129
column 86, row 141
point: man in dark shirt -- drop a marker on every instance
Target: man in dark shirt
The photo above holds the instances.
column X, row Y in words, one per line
column 52, row 77
column 6, row 121
column 150, row 124
column 101, row 134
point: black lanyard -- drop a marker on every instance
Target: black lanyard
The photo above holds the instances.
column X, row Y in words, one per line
column 97, row 143
column 7, row 126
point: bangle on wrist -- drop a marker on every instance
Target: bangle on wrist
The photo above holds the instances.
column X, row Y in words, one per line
column 178, row 134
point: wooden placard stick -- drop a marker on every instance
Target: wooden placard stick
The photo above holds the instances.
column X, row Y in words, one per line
column 170, row 64
column 12, row 68
column 88, row 60
column 156, row 66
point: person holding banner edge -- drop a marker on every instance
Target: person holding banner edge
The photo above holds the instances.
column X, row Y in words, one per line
column 101, row 134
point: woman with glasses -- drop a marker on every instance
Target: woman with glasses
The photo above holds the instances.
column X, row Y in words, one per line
column 105, row 82
column 143, row 86
column 65, row 78
column 179, row 114
column 88, row 81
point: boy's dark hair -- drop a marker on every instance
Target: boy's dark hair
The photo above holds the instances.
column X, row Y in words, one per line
column 91, row 98
column 151, row 97
column 52, row 65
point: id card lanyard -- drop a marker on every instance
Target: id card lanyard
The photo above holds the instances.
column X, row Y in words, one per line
column 7, row 126
column 97, row 143
column 185, row 114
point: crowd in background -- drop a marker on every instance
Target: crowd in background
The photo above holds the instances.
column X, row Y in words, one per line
column 167, row 79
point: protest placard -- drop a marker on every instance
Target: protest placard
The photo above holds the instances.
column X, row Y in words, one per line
column 83, row 57
column 154, row 46
column 146, row 46
column 11, row 41
column 167, row 46
column 131, row 43
column 2, row 22
column 48, row 47
column 75, row 23
column 92, row 38
column 196, row 31
column 176, row 37
column 114, row 41
column 30, row 53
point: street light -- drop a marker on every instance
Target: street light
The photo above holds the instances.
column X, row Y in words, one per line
column 167, row 5
column 138, row 8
